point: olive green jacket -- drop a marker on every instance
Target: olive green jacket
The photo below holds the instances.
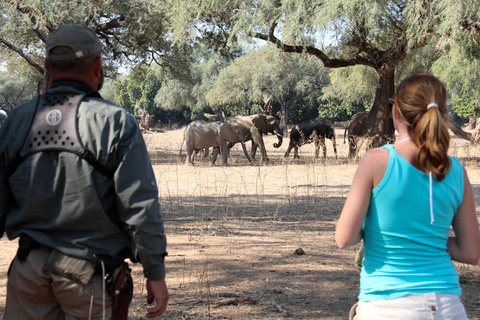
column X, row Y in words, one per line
column 61, row 201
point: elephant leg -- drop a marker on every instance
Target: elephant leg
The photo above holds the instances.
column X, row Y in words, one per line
column 206, row 153
column 352, row 146
column 261, row 145
column 290, row 146
column 334, row 144
column 195, row 154
column 245, row 151
column 229, row 146
column 359, row 143
column 317, row 148
column 253, row 150
column 214, row 155
column 321, row 142
column 224, row 151
column 295, row 152
column 189, row 160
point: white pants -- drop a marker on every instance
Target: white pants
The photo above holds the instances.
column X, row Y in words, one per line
column 428, row 306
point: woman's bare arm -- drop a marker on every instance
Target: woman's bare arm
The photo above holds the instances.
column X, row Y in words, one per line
column 369, row 173
column 465, row 245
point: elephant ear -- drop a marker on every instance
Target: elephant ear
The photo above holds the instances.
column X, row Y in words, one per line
column 260, row 121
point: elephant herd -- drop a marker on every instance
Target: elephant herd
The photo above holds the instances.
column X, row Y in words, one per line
column 214, row 131
column 222, row 135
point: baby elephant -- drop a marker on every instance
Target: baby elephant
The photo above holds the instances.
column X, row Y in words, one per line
column 305, row 133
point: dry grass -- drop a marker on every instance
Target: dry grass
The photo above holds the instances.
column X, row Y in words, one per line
column 235, row 234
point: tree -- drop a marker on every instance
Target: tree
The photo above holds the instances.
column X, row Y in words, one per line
column 14, row 90
column 136, row 92
column 177, row 93
column 267, row 73
column 351, row 90
column 463, row 87
column 174, row 95
column 132, row 31
column 376, row 34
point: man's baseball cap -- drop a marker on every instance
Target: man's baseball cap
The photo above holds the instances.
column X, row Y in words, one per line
column 81, row 39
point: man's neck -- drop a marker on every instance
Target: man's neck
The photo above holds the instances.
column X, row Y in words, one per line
column 73, row 83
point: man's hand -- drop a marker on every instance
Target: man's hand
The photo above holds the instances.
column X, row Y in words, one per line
column 157, row 290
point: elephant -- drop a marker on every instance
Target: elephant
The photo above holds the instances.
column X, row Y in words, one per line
column 357, row 130
column 253, row 127
column 209, row 117
column 305, row 133
column 200, row 135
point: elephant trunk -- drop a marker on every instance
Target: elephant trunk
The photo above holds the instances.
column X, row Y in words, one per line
column 280, row 140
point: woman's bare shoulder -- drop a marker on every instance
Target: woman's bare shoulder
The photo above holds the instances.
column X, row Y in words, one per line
column 376, row 155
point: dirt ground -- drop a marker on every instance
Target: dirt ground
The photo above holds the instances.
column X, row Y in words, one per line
column 257, row 242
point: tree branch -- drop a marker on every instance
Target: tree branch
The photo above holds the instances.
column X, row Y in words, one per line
column 23, row 55
column 327, row 62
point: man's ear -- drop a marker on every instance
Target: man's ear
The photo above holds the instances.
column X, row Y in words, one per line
column 47, row 66
column 98, row 67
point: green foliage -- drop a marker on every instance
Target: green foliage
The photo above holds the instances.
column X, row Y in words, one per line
column 15, row 90
column 121, row 95
column 267, row 72
column 339, row 110
column 466, row 107
column 461, row 75
column 206, row 72
column 108, row 90
column 368, row 45
column 138, row 90
column 131, row 30
column 149, row 87
column 306, row 111
column 351, row 86
column 179, row 93
column 174, row 95
column 376, row 34
column 214, row 31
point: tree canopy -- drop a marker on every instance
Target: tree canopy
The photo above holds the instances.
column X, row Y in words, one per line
column 132, row 31
column 376, row 34
column 14, row 91
column 358, row 51
column 267, row 73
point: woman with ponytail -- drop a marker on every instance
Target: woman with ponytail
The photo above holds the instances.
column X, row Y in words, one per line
column 403, row 200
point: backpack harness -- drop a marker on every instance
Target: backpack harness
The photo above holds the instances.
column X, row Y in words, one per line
column 55, row 128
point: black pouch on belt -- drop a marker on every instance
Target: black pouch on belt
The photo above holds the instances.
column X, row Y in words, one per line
column 25, row 245
column 122, row 292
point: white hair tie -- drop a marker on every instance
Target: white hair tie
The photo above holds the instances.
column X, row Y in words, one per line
column 432, row 105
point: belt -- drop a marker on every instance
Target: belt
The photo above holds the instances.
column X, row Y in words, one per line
column 26, row 244
column 100, row 263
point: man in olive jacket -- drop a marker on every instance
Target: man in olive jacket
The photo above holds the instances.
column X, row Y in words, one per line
column 78, row 190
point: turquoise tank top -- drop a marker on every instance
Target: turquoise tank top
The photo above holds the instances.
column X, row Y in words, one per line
column 405, row 252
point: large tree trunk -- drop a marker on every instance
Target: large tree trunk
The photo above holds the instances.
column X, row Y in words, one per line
column 267, row 106
column 458, row 131
column 472, row 122
column 380, row 124
column 145, row 120
column 284, row 117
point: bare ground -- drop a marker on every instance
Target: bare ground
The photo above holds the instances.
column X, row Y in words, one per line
column 256, row 242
